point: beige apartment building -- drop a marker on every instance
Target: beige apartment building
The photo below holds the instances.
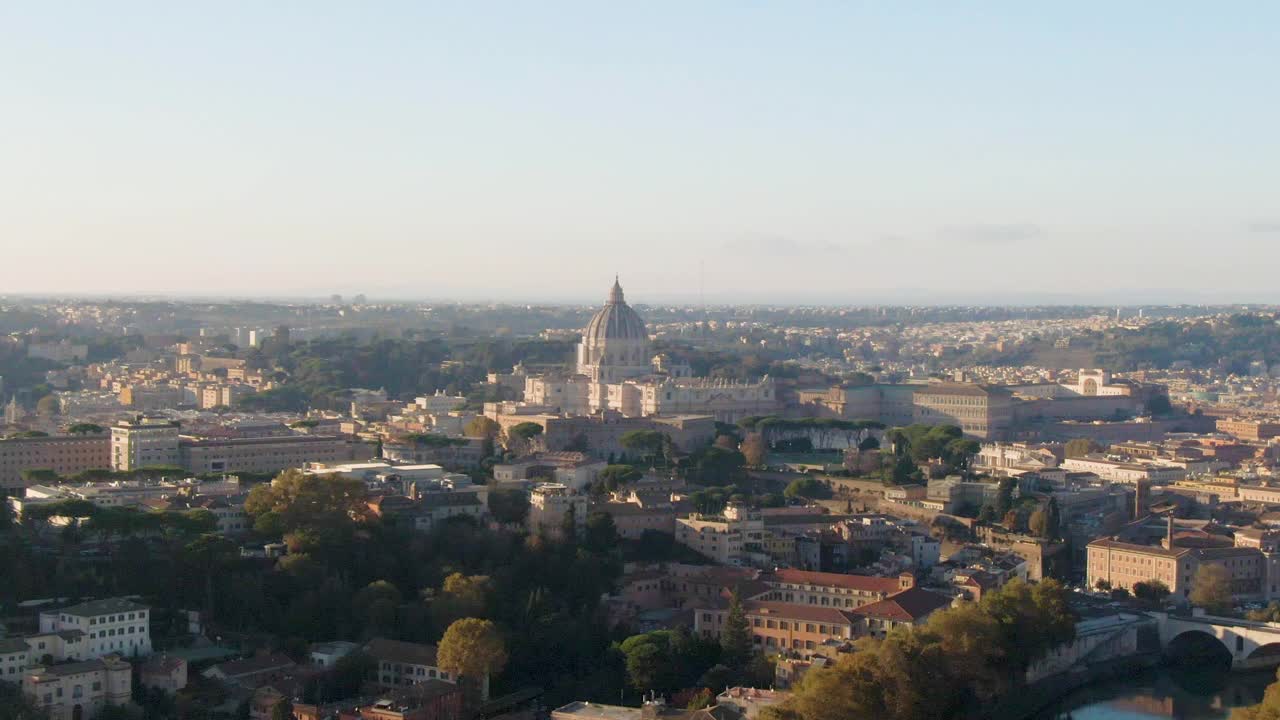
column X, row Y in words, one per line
column 736, row 537
column 1249, row 429
column 549, row 507
column 63, row 454
column 144, row 442
column 267, row 454
column 981, row 411
column 1254, row 570
column 79, row 691
column 826, row 589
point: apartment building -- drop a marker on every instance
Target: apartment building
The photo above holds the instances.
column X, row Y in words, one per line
column 1254, row 571
column 779, row 626
column 79, row 691
column 550, row 504
column 981, row 411
column 1123, row 471
column 736, row 537
column 401, row 664
column 267, row 454
column 825, row 589
column 144, row 442
column 110, row 626
column 1253, row 430
column 63, row 454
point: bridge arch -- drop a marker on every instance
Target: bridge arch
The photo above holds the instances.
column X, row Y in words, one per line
column 1200, row 648
column 1270, row 650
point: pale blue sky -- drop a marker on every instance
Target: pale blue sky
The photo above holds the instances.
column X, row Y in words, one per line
column 797, row 151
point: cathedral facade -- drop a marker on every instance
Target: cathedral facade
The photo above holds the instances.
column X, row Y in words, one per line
column 615, row 370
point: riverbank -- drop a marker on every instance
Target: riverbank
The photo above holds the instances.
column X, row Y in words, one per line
column 1028, row 701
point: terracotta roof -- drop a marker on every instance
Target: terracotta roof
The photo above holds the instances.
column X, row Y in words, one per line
column 1134, row 547
column 907, row 606
column 401, row 652
column 793, row 611
column 864, row 583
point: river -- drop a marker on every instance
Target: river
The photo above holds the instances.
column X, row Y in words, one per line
column 1163, row 693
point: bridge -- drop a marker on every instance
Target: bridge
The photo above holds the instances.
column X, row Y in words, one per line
column 1251, row 645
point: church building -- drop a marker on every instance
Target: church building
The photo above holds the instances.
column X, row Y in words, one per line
column 616, row 371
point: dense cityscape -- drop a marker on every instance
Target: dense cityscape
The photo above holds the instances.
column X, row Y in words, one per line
column 413, row 360
column 404, row 511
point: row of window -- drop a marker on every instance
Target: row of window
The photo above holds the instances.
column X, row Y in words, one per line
column 796, row 625
column 113, row 632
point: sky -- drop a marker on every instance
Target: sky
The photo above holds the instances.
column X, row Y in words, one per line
column 811, row 152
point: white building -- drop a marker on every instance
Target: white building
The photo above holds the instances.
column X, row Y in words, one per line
column 735, row 537
column 549, row 507
column 144, row 442
column 79, row 691
column 110, row 626
column 1125, row 471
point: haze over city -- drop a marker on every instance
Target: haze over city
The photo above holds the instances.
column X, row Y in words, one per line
column 1088, row 152
column 639, row 361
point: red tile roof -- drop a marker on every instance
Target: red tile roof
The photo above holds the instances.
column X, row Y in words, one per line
column 864, row 583
column 907, row 606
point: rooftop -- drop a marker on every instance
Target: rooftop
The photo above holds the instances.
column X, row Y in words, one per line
column 401, row 652
column 106, row 606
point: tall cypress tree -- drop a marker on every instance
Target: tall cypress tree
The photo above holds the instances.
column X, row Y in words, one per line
column 735, row 640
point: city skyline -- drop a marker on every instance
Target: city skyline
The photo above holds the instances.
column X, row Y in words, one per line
column 846, row 154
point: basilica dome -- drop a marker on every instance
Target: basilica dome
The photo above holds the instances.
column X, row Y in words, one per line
column 615, row 344
column 615, row 321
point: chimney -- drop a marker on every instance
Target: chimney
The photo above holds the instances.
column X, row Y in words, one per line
column 1168, row 538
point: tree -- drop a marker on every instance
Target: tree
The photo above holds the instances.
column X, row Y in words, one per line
column 1038, row 524
column 1211, row 589
column 735, row 640
column 520, row 436
column 525, row 431
column 376, row 605
column 1151, row 592
column 648, row 661
column 84, row 428
column 283, row 710
column 48, row 406
column 1271, row 613
column 509, row 506
column 481, row 427
column 807, row 487
column 613, row 477
column 601, row 534
column 648, row 443
column 1004, row 497
column 1102, row 585
column 716, row 466
column 1079, row 447
column 754, row 449
column 987, row 514
column 472, row 648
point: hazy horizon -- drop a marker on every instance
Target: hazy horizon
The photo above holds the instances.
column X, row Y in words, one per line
column 831, row 154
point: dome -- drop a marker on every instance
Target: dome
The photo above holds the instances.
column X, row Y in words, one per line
column 615, row 321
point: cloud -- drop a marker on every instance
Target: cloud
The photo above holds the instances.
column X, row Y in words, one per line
column 773, row 244
column 1264, row 226
column 991, row 234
